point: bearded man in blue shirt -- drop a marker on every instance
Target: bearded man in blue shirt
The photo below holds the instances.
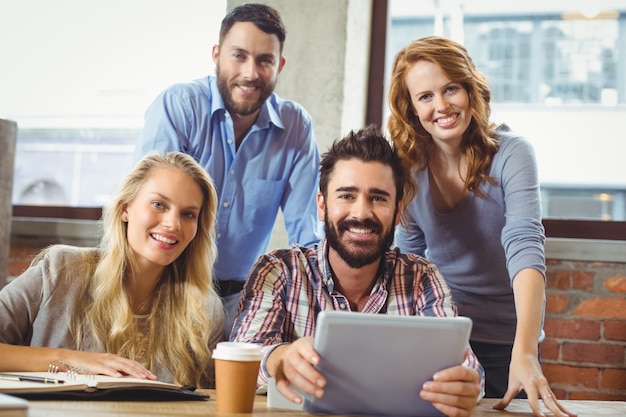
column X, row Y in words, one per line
column 259, row 149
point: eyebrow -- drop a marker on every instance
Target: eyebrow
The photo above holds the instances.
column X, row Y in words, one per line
column 373, row 190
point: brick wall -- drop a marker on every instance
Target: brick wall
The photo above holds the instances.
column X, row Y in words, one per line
column 584, row 353
column 20, row 256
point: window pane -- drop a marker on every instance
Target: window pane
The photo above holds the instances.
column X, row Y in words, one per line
column 71, row 167
column 558, row 77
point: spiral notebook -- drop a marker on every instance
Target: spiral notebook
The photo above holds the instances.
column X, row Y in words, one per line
column 64, row 385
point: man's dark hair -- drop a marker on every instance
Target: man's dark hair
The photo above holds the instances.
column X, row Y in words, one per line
column 264, row 17
column 367, row 145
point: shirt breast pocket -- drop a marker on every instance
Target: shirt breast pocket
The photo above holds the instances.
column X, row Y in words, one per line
column 262, row 200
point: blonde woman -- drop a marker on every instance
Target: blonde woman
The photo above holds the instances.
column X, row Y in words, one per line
column 140, row 304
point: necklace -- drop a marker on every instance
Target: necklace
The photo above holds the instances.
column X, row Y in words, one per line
column 145, row 305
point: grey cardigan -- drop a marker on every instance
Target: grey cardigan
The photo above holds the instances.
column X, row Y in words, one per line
column 35, row 308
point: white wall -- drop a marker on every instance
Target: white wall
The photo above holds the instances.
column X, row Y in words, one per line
column 71, row 58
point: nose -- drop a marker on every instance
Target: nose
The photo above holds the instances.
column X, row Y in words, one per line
column 441, row 104
column 362, row 208
column 171, row 220
column 249, row 69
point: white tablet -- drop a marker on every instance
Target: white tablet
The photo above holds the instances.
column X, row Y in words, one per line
column 376, row 364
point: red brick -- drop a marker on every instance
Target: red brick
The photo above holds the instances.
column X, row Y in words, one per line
column 613, row 379
column 23, row 251
column 16, row 268
column 563, row 280
column 549, row 350
column 582, row 280
column 571, row 375
column 559, row 394
column 572, row 329
column 615, row 330
column 602, row 307
column 595, row 396
column 616, row 283
column 558, row 279
column 606, row 354
column 556, row 303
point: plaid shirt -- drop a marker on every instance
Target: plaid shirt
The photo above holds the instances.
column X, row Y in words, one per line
column 287, row 288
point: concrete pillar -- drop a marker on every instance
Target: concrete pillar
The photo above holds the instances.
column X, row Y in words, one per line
column 8, row 137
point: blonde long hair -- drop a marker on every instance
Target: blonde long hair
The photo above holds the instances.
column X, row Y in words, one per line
column 179, row 327
column 413, row 142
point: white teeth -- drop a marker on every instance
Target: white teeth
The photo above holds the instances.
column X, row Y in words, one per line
column 246, row 88
column 360, row 231
column 447, row 119
column 164, row 239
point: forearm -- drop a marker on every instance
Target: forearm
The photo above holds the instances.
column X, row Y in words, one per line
column 529, row 291
column 26, row 358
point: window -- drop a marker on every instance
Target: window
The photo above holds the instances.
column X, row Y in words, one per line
column 558, row 77
column 77, row 78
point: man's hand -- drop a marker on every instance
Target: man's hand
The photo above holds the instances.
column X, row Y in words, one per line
column 453, row 391
column 293, row 364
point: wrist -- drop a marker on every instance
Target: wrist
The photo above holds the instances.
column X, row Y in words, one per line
column 273, row 359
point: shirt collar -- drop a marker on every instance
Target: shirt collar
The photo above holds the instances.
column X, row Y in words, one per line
column 326, row 275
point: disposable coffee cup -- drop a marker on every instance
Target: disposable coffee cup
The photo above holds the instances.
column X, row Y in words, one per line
column 236, row 370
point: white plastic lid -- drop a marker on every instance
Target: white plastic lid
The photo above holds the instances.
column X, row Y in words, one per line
column 238, row 351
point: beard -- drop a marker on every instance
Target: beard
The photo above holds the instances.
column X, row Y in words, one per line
column 243, row 108
column 358, row 254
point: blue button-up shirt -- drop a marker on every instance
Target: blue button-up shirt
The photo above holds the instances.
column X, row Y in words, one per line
column 276, row 166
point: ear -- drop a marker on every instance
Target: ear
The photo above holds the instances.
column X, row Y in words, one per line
column 124, row 214
column 215, row 53
column 321, row 206
column 281, row 64
column 400, row 207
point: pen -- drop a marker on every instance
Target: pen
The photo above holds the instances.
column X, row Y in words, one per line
column 27, row 378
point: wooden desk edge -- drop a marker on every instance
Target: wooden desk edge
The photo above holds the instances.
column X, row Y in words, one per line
column 207, row 408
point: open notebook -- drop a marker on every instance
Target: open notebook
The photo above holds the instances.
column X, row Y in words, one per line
column 61, row 385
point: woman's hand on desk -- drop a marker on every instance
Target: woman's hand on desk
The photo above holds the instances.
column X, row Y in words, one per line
column 453, row 391
column 31, row 358
column 107, row 364
column 294, row 364
column 526, row 374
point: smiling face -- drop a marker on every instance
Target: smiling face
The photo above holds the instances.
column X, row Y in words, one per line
column 442, row 106
column 248, row 63
column 359, row 211
column 163, row 218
